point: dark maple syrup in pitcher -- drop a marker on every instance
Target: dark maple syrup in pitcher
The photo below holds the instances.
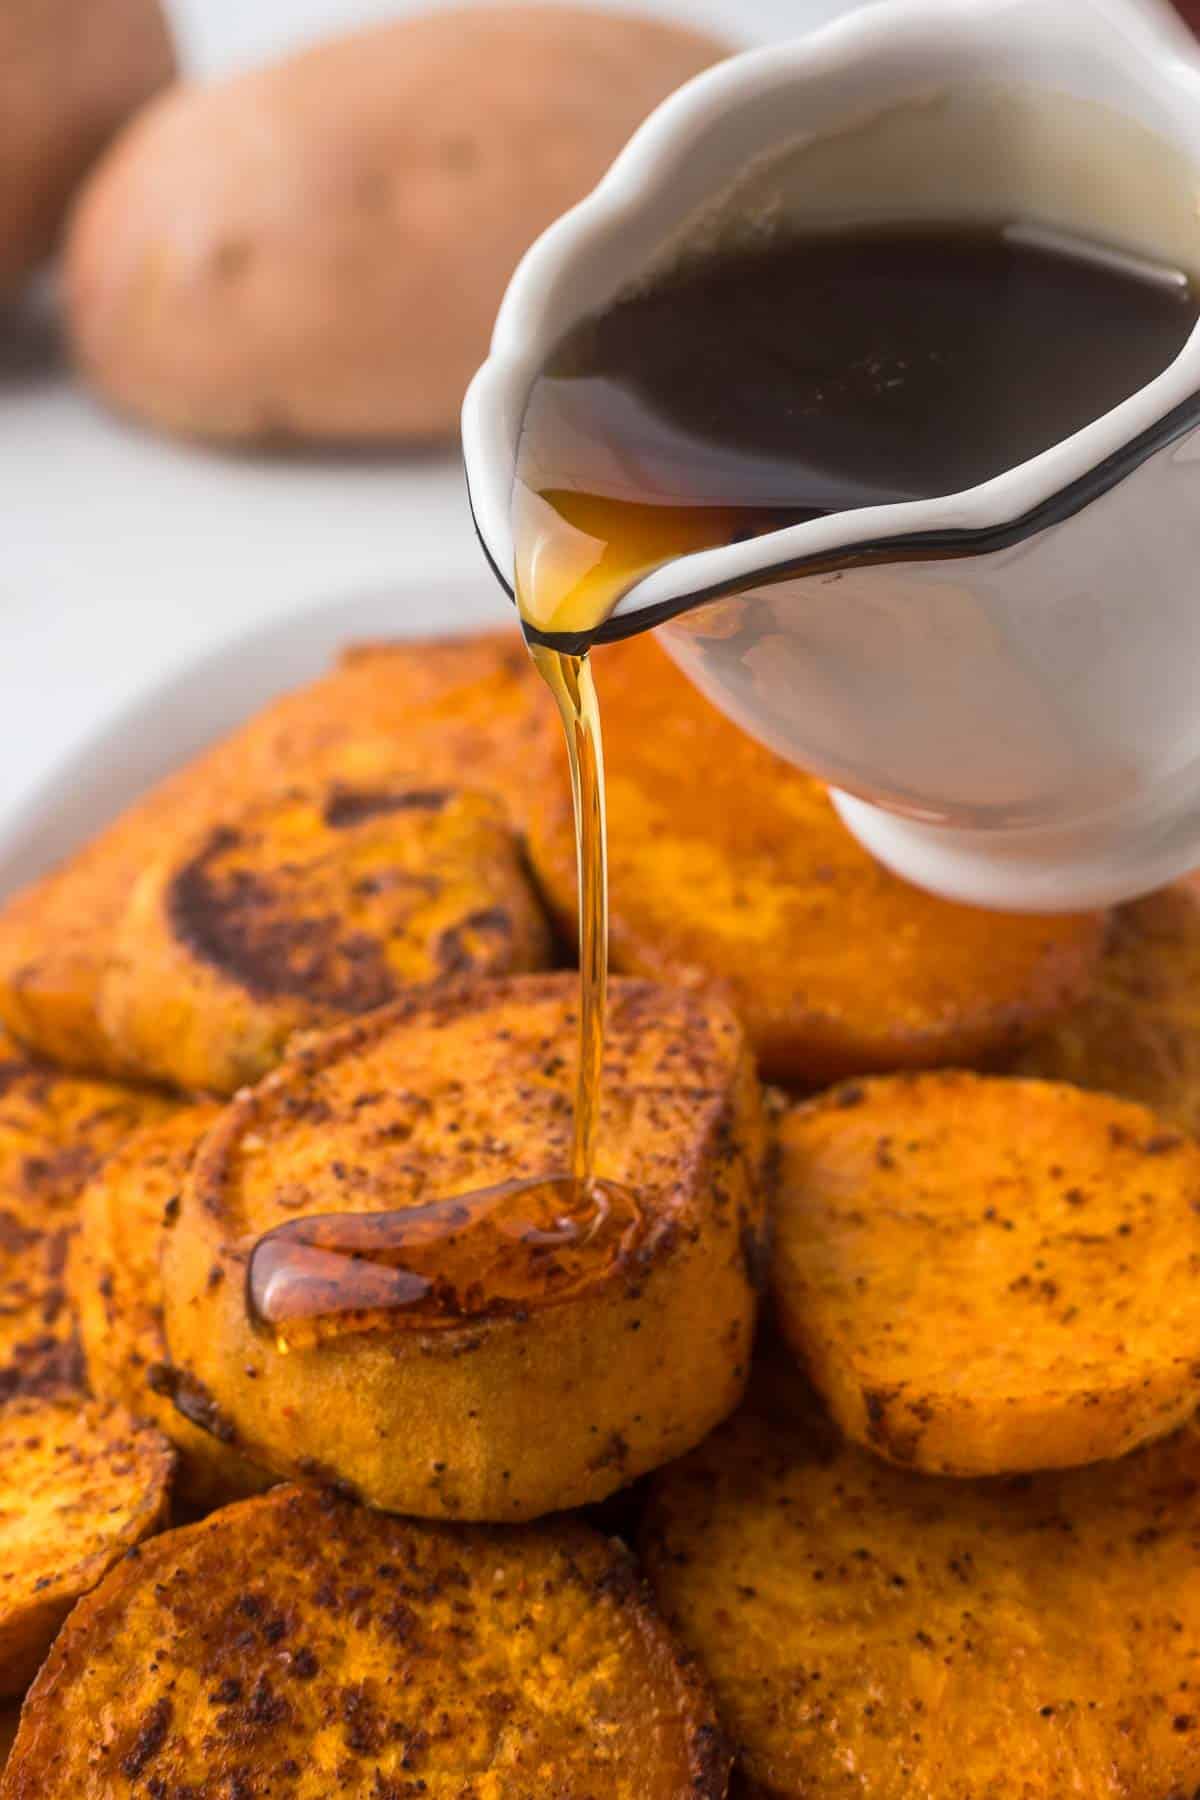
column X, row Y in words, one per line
column 741, row 392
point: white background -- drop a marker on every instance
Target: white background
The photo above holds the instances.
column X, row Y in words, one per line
column 123, row 555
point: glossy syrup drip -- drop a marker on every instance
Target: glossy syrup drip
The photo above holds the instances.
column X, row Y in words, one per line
column 569, row 679
column 499, row 1252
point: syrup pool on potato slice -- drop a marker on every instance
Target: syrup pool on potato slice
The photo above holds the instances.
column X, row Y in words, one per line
column 484, row 1255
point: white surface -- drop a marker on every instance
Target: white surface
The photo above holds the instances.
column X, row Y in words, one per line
column 122, row 556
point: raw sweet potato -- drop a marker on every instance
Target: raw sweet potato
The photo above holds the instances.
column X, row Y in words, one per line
column 985, row 1274
column 439, row 712
column 299, row 1647
column 317, row 249
column 79, row 1484
column 729, row 868
column 71, row 71
column 55, row 1131
column 116, row 1288
column 511, row 1369
column 306, row 908
column 875, row 1634
column 1136, row 1031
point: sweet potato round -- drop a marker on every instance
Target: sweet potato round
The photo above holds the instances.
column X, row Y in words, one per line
column 298, row 1647
column 80, row 1483
column 114, row 1282
column 306, row 908
column 442, row 712
column 55, row 1133
column 70, row 72
column 729, row 869
column 987, row 1275
column 316, row 250
column 483, row 1413
column 876, row 1635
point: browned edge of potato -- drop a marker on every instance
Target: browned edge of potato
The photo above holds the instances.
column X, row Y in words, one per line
column 296, row 1643
column 529, row 1383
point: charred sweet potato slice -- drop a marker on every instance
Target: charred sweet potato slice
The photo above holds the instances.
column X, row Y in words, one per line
column 873, row 1633
column 116, row 1288
column 80, row 1483
column 729, row 868
column 55, row 1132
column 1136, row 1031
column 309, row 907
column 985, row 1274
column 519, row 1354
column 299, row 1646
column 436, row 713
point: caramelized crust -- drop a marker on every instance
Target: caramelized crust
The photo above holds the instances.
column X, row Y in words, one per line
column 55, row 1132
column 730, row 869
column 871, row 1633
column 299, row 1647
column 80, row 1483
column 431, row 712
column 985, row 1274
column 306, row 908
column 508, row 1401
column 1136, row 1031
column 116, row 1288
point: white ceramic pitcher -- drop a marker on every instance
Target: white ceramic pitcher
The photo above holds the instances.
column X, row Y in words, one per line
column 1002, row 685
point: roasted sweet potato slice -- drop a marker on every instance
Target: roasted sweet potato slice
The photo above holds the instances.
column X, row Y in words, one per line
column 873, row 1633
column 116, row 1288
column 432, row 713
column 729, row 868
column 513, row 1357
column 306, row 908
column 80, row 1483
column 985, row 1274
column 298, row 1646
column 55, row 1131
column 1136, row 1031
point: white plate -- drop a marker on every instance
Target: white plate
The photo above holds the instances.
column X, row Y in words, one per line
column 173, row 719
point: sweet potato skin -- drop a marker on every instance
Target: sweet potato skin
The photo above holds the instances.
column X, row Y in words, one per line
column 426, row 711
column 876, row 1633
column 316, row 250
column 55, row 1132
column 729, row 868
column 71, row 71
column 82, row 1483
column 485, row 1417
column 115, row 1286
column 299, row 1646
column 1136, row 1030
column 304, row 909
column 986, row 1275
